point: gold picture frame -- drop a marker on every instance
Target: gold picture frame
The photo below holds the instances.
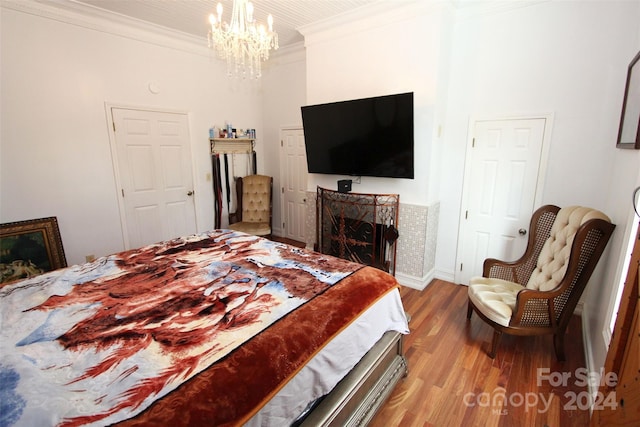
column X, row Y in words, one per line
column 29, row 248
column 629, row 130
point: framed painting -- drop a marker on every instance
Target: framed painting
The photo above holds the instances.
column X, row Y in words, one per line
column 29, row 248
column 629, row 131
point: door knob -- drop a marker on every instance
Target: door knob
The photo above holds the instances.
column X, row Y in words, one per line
column 522, row 231
column 190, row 193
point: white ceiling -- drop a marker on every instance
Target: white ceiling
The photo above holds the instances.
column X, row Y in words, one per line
column 192, row 16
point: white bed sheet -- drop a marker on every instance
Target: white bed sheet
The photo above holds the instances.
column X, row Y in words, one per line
column 333, row 362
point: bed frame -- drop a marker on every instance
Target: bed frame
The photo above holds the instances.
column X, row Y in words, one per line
column 358, row 396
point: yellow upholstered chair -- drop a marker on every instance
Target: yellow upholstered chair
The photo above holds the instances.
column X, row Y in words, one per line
column 538, row 293
column 253, row 214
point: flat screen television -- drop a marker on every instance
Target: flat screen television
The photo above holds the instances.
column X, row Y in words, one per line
column 361, row 137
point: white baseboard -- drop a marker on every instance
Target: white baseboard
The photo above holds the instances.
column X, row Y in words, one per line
column 588, row 354
column 419, row 283
column 446, row 275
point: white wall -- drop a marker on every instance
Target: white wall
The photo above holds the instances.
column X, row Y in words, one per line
column 284, row 92
column 381, row 51
column 387, row 51
column 568, row 58
column 55, row 156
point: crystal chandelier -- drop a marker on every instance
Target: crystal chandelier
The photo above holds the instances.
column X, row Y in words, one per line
column 242, row 42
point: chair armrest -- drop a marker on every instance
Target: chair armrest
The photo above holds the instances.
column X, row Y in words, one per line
column 497, row 269
column 518, row 271
column 535, row 308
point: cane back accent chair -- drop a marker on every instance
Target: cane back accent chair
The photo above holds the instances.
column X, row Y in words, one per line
column 538, row 293
column 254, row 212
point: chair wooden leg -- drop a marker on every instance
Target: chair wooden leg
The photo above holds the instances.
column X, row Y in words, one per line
column 469, row 309
column 558, row 345
column 494, row 343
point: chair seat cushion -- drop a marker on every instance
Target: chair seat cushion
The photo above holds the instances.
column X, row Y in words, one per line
column 255, row 228
column 495, row 298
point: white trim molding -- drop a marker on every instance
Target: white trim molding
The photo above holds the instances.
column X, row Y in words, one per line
column 93, row 18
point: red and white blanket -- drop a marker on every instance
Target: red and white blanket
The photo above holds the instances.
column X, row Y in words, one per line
column 100, row 343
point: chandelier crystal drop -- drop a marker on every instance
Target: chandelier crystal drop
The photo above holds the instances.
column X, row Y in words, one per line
column 242, row 42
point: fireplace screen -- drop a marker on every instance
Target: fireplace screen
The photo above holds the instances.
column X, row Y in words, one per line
column 358, row 227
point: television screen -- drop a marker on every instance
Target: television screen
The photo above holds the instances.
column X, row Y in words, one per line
column 361, row 137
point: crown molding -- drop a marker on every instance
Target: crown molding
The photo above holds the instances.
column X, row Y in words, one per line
column 288, row 54
column 470, row 9
column 385, row 12
column 368, row 17
column 96, row 19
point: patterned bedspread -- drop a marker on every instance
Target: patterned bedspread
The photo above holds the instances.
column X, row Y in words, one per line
column 98, row 343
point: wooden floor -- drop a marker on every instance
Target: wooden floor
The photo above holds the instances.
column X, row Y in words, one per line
column 452, row 381
column 288, row 241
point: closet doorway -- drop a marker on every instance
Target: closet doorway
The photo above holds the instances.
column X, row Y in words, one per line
column 151, row 153
column 503, row 181
column 293, row 176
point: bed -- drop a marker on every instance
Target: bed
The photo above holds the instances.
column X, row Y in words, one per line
column 218, row 328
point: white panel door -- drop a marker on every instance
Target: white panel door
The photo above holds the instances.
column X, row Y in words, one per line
column 155, row 173
column 501, row 178
column 294, row 184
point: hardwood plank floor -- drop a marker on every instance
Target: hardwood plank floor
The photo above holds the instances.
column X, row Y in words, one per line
column 288, row 241
column 453, row 382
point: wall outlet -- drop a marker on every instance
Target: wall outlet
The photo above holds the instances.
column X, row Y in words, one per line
column 90, row 258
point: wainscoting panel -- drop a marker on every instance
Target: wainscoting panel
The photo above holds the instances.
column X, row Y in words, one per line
column 412, row 225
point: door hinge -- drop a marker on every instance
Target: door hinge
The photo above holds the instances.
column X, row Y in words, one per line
column 122, row 191
column 114, row 125
column 466, row 214
column 282, row 189
column 281, row 143
column 283, row 225
column 473, row 143
column 460, row 266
